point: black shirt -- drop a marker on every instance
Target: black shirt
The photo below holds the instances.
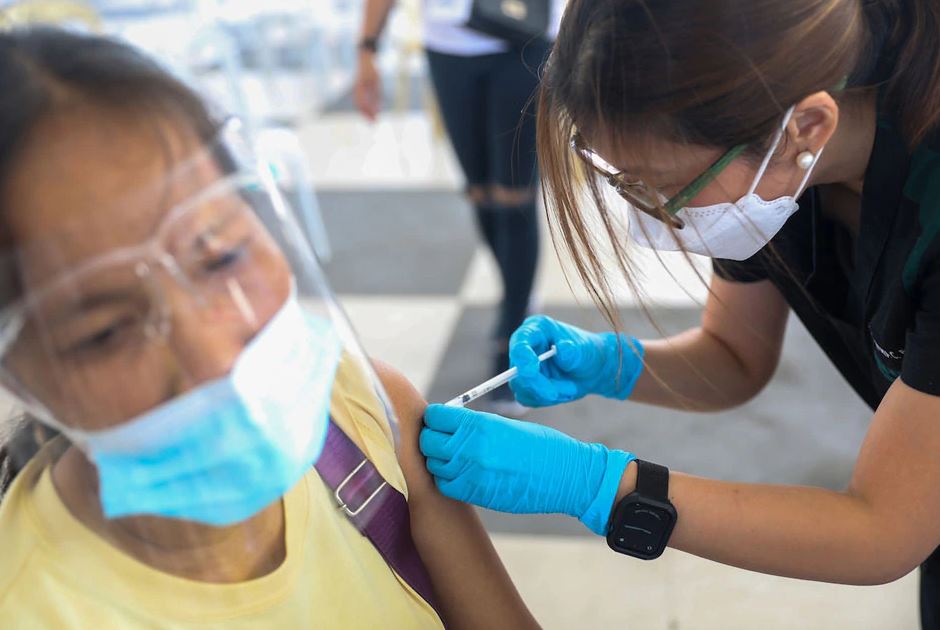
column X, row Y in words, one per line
column 871, row 303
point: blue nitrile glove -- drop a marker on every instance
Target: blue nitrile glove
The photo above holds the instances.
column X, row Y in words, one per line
column 520, row 467
column 586, row 363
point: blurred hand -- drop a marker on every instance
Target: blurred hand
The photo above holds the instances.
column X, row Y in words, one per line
column 367, row 91
column 605, row 364
column 520, row 467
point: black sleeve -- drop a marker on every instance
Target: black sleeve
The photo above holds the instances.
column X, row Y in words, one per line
column 921, row 367
column 751, row 270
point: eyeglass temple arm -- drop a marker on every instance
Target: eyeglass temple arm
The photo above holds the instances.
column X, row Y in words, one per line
column 691, row 191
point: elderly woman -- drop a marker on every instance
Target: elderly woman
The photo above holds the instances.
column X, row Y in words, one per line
column 217, row 451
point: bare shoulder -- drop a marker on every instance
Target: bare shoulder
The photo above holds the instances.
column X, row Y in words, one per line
column 408, row 402
column 409, row 406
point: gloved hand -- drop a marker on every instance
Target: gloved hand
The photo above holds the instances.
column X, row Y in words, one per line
column 587, row 363
column 520, row 467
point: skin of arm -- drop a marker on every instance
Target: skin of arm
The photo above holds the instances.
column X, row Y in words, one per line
column 374, row 17
column 876, row 531
column 367, row 91
column 474, row 589
column 724, row 362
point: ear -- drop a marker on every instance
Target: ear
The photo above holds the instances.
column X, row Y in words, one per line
column 814, row 120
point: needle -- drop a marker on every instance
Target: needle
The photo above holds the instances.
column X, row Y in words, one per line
column 497, row 381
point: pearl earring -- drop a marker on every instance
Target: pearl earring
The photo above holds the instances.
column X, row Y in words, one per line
column 805, row 159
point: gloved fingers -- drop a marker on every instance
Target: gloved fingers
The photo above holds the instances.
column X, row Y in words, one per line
column 569, row 356
column 528, row 342
column 435, row 444
column 524, row 358
column 443, row 469
column 535, row 332
column 566, row 390
column 525, row 396
column 445, row 419
column 532, row 391
column 542, row 391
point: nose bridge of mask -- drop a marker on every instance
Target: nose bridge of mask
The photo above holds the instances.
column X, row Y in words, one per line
column 156, row 428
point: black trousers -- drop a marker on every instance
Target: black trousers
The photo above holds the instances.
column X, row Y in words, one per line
column 487, row 104
column 930, row 592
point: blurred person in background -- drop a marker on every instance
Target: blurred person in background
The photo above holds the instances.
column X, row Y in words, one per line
column 485, row 88
column 205, row 443
column 797, row 144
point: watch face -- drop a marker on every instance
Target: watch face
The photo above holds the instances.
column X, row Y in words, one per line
column 641, row 529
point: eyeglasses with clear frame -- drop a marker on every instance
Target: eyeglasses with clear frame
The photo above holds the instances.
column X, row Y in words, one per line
column 640, row 195
column 203, row 244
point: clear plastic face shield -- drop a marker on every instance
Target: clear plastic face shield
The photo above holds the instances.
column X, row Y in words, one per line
column 183, row 337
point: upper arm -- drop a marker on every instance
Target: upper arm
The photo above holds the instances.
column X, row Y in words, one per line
column 750, row 319
column 473, row 587
column 899, row 464
column 896, row 474
column 409, row 406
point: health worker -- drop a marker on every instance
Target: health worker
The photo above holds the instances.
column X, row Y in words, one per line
column 796, row 144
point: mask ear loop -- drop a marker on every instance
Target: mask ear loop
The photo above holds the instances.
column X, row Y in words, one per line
column 773, row 148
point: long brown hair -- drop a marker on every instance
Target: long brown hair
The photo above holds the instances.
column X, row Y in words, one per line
column 713, row 73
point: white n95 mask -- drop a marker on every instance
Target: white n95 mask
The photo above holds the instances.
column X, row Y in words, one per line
column 735, row 231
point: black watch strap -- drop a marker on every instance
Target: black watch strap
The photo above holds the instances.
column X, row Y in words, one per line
column 642, row 522
column 652, row 480
column 369, row 43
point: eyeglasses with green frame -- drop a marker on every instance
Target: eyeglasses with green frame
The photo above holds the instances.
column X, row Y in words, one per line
column 644, row 198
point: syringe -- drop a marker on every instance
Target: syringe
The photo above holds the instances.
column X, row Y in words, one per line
column 497, row 381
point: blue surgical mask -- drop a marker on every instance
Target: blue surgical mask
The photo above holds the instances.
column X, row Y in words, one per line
column 224, row 451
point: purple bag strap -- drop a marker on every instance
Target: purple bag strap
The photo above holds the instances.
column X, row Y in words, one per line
column 377, row 509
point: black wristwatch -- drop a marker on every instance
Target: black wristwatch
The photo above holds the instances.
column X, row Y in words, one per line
column 642, row 522
column 369, row 43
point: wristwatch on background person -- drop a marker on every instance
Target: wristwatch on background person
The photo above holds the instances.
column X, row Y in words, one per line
column 370, row 44
column 641, row 523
